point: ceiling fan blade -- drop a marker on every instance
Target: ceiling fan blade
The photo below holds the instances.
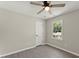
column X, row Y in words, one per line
column 49, row 2
column 58, row 5
column 36, row 4
column 41, row 10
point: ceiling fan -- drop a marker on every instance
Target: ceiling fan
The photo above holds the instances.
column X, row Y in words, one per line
column 47, row 6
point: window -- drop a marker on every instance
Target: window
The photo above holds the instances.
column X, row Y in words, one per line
column 57, row 29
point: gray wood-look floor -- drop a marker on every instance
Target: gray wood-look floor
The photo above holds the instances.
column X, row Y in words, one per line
column 42, row 52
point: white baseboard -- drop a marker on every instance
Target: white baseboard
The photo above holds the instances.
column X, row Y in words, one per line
column 63, row 49
column 18, row 51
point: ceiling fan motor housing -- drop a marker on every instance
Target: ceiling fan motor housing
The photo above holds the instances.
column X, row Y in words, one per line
column 46, row 3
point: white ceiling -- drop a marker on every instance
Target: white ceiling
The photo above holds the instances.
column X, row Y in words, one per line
column 26, row 8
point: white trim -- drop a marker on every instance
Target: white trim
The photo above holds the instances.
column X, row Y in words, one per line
column 18, row 51
column 63, row 49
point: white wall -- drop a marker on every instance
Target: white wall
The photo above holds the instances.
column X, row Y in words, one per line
column 16, row 31
column 70, row 33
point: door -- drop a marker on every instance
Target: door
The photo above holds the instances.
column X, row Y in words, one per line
column 39, row 32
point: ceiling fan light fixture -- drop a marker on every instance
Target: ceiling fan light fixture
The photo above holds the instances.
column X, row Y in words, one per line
column 46, row 5
column 47, row 8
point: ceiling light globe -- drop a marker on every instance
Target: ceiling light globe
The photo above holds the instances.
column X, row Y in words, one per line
column 47, row 8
